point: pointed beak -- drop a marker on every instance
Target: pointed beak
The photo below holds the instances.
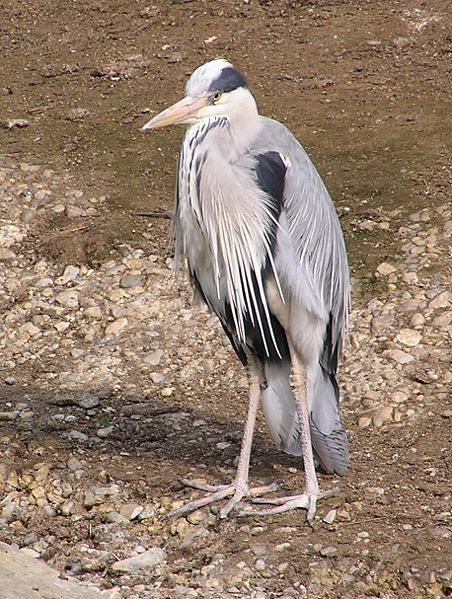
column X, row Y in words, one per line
column 183, row 112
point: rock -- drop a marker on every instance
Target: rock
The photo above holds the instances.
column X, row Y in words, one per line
column 78, row 436
column 9, row 235
column 383, row 415
column 68, row 299
column 441, row 301
column 142, row 562
column 330, row 517
column 89, row 401
column 385, row 269
column 154, row 358
column 157, row 378
column 364, row 421
column 400, row 356
column 328, row 551
column 115, row 327
column 23, row 576
column 78, row 114
column 128, row 281
column 70, row 274
column 103, row 433
column 409, row 337
column 93, row 312
column 16, row 123
column 417, row 320
column 130, row 511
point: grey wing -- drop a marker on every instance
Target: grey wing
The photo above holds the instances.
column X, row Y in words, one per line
column 313, row 271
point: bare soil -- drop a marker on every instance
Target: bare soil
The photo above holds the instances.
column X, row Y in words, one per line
column 365, row 87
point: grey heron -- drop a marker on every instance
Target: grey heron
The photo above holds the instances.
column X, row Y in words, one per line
column 266, row 252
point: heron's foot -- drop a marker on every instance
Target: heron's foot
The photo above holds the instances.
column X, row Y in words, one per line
column 306, row 501
column 218, row 492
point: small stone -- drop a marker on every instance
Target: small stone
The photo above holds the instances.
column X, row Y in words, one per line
column 167, row 391
column 142, row 562
column 364, row 421
column 128, row 281
column 196, row 517
column 10, row 380
column 89, row 401
column 67, row 508
column 383, row 415
column 400, row 356
column 30, row 538
column 78, row 436
column 409, row 337
column 16, row 123
column 9, row 416
column 154, row 358
column 115, row 327
column 68, row 298
column 78, row 114
column 131, row 511
column 330, row 517
column 103, row 433
column 157, row 378
column 410, row 278
column 93, row 312
column 385, row 269
column 70, row 274
column 260, row 565
column 441, row 301
column 74, row 211
column 417, row 320
column 328, row 551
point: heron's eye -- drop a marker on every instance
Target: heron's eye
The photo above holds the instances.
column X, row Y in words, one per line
column 215, row 97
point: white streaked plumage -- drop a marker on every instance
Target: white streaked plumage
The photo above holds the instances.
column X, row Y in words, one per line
column 265, row 248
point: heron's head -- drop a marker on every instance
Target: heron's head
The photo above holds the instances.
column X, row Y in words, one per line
column 216, row 88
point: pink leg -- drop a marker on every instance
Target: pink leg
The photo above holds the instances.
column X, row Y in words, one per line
column 239, row 488
column 308, row 499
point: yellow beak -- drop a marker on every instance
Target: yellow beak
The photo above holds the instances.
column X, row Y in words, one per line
column 183, row 112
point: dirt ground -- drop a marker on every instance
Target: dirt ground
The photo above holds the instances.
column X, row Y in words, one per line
column 365, row 86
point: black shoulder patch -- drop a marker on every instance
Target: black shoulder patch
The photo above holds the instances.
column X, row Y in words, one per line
column 271, row 172
column 228, row 80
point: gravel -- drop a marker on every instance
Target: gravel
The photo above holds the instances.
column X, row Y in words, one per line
column 114, row 347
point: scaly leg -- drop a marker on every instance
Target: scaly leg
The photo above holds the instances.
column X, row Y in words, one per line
column 308, row 499
column 239, row 488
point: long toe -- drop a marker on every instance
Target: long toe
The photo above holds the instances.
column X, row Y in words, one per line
column 218, row 492
column 305, row 501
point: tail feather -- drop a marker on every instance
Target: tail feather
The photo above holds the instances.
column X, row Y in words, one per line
column 329, row 440
column 278, row 402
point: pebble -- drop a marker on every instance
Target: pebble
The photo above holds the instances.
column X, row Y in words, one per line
column 330, row 517
column 154, row 358
column 330, row 551
column 143, row 562
column 16, row 123
column 441, row 301
column 68, row 298
column 70, row 274
column 385, row 269
column 103, row 433
column 128, row 281
column 409, row 337
column 116, row 327
column 400, row 356
column 130, row 511
column 89, row 401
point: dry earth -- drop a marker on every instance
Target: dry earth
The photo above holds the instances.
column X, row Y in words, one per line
column 112, row 387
